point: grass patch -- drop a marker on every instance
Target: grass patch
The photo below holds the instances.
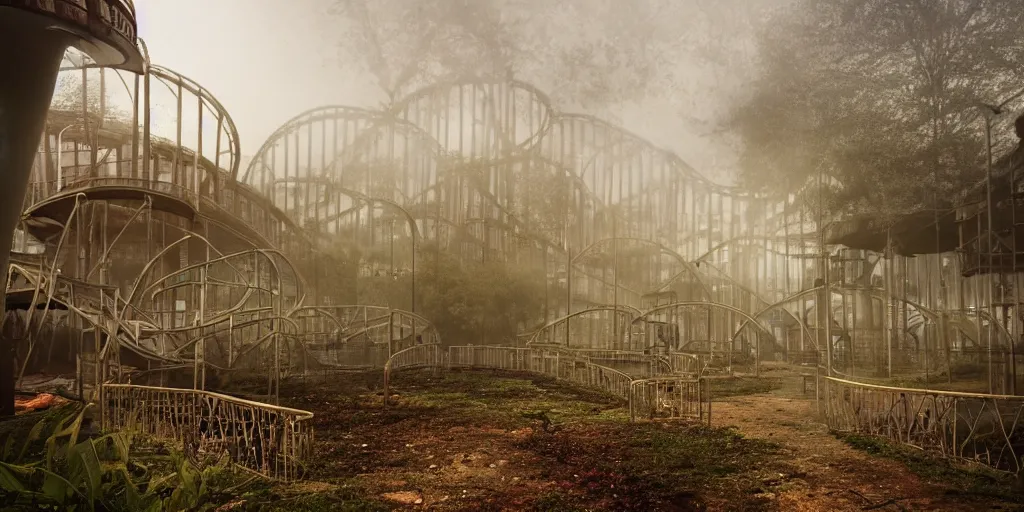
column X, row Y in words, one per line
column 460, row 438
column 646, row 466
column 310, row 497
column 490, row 398
column 738, row 386
column 699, row 452
column 966, row 479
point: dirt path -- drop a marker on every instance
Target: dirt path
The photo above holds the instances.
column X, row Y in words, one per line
column 824, row 473
column 489, row 441
column 478, row 442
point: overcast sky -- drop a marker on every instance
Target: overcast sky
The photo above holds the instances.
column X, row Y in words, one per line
column 268, row 60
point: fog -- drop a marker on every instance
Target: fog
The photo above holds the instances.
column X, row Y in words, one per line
column 465, row 255
column 269, row 60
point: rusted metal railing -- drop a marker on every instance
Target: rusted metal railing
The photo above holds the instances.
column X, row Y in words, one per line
column 685, row 363
column 988, row 429
column 670, row 397
column 500, row 358
column 662, row 397
column 264, row 438
column 419, row 356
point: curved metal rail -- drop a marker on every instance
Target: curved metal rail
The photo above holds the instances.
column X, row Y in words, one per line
column 975, row 427
column 662, row 397
column 267, row 439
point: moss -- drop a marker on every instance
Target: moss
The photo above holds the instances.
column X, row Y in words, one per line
column 737, row 386
column 311, row 497
column 967, row 479
column 557, row 502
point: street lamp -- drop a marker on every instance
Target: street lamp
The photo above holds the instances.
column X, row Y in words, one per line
column 989, row 113
column 60, row 156
column 415, row 232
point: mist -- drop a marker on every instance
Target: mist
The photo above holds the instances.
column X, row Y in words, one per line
column 474, row 255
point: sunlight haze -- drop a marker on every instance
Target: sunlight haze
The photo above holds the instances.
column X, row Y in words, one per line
column 269, row 60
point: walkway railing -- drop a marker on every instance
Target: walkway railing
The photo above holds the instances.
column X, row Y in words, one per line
column 670, row 397
column 264, row 438
column 988, row 429
column 654, row 398
column 685, row 363
column 635, row 363
column 419, row 356
column 499, row 358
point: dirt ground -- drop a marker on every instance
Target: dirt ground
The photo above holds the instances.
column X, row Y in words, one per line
column 482, row 441
column 826, row 473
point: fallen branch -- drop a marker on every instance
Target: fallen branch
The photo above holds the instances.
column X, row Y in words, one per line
column 871, row 505
column 885, row 503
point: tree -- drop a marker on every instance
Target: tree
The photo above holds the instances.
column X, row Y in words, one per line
column 101, row 86
column 468, row 302
column 598, row 56
column 587, row 54
column 881, row 95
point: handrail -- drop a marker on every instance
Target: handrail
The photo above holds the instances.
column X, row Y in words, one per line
column 299, row 413
column 265, row 438
column 675, row 396
column 957, row 394
column 968, row 426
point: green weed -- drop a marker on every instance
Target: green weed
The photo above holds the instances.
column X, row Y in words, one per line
column 967, row 479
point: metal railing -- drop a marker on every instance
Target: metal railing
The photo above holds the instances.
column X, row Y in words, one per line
column 499, row 358
column 662, row 397
column 418, row 356
column 670, row 397
column 264, row 438
column 630, row 362
column 634, row 362
column 988, row 429
column 685, row 363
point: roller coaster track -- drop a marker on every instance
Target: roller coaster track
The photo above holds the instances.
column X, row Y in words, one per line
column 463, row 159
column 148, row 243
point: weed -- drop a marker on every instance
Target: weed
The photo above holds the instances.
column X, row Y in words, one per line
column 967, row 479
column 737, row 386
column 556, row 502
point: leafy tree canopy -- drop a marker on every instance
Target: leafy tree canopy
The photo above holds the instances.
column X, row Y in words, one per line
column 587, row 54
column 882, row 96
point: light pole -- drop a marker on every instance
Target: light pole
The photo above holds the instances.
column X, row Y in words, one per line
column 988, row 114
column 60, row 157
column 415, row 233
column 568, row 280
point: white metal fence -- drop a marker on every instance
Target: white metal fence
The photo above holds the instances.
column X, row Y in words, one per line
column 661, row 397
column 265, row 438
column 988, row 429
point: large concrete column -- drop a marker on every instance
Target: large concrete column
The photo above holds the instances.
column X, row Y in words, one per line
column 33, row 38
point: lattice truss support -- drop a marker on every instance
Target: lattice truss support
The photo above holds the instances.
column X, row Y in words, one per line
column 142, row 227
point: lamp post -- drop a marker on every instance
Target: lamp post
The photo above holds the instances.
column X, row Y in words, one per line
column 988, row 114
column 415, row 233
column 568, row 280
column 60, row 156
